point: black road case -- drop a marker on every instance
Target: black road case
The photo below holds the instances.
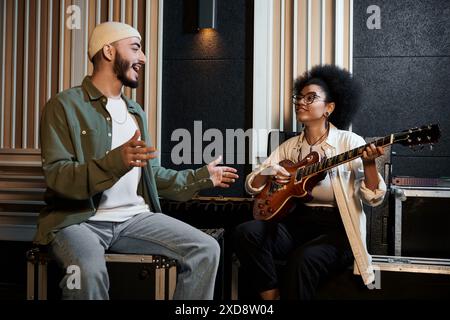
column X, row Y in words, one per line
column 149, row 277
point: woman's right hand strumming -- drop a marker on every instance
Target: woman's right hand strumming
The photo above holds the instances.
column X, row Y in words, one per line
column 280, row 175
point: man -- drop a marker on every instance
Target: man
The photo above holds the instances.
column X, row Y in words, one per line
column 103, row 181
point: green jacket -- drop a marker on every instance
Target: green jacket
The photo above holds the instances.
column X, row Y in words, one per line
column 78, row 163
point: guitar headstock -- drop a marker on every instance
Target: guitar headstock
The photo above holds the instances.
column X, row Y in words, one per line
column 418, row 136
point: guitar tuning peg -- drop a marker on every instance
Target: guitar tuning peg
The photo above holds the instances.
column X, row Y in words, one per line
column 429, row 138
column 431, row 147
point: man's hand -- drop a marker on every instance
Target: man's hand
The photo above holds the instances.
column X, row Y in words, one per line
column 135, row 152
column 221, row 176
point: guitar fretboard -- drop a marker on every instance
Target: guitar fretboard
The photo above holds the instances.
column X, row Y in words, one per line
column 328, row 163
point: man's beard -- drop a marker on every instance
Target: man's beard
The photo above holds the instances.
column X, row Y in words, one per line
column 121, row 66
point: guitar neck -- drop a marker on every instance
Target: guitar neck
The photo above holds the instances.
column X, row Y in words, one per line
column 328, row 163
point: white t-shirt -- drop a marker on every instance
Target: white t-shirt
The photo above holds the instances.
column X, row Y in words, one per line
column 121, row 202
column 322, row 193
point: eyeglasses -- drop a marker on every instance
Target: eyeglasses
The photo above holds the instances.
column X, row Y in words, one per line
column 307, row 99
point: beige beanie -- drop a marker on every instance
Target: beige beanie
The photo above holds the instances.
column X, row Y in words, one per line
column 109, row 32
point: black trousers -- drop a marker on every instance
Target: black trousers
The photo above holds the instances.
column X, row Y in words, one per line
column 312, row 242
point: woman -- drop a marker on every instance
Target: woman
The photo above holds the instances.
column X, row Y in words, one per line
column 326, row 234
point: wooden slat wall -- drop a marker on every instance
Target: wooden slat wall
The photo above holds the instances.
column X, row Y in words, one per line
column 40, row 56
column 291, row 36
column 311, row 37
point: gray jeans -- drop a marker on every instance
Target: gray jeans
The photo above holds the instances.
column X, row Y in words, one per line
column 84, row 245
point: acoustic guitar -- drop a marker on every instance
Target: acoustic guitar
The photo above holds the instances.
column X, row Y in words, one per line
column 276, row 200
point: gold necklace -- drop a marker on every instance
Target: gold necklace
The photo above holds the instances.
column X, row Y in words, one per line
column 317, row 141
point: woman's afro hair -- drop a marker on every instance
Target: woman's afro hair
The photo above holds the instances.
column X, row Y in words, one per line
column 339, row 86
